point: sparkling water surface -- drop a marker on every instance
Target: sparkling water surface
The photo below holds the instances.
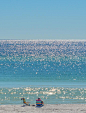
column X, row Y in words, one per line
column 53, row 70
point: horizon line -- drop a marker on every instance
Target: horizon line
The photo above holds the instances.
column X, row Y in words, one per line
column 42, row 39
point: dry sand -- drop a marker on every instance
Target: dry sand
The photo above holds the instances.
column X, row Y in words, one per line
column 49, row 108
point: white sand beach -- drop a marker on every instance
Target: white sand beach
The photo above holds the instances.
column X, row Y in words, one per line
column 49, row 108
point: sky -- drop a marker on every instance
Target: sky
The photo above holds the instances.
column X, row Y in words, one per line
column 43, row 19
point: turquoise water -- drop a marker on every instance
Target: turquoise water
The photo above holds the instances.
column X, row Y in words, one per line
column 55, row 71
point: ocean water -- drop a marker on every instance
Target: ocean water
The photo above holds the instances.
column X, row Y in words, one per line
column 53, row 70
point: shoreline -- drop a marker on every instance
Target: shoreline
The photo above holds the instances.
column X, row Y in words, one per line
column 47, row 108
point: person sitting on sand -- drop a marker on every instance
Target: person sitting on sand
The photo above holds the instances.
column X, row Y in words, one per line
column 39, row 102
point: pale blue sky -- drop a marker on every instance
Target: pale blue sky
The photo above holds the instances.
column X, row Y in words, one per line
column 42, row 19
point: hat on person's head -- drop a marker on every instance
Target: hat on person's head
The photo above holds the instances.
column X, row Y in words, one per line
column 38, row 98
